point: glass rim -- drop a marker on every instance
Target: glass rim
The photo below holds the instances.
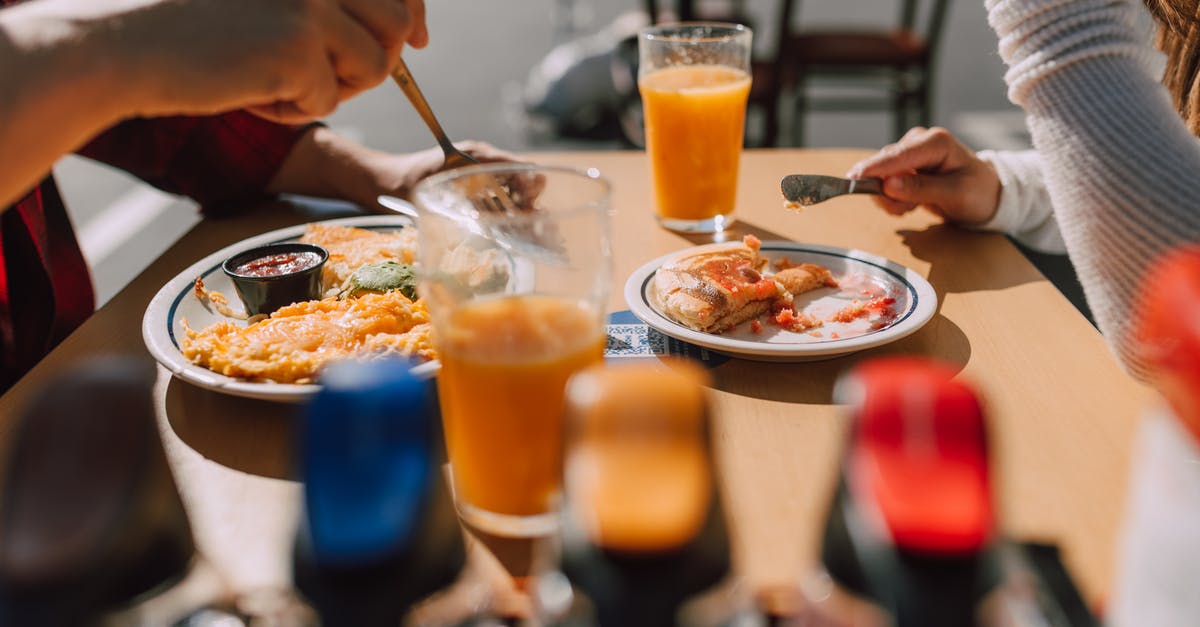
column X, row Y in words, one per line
column 509, row 167
column 658, row 32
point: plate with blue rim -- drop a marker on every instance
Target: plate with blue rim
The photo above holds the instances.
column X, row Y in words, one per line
column 891, row 302
column 162, row 325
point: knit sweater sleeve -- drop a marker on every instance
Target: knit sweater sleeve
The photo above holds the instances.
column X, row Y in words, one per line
column 1119, row 164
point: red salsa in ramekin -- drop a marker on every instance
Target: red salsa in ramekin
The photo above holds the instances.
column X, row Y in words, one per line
column 278, row 264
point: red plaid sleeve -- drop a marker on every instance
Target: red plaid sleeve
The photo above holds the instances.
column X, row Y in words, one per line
column 222, row 161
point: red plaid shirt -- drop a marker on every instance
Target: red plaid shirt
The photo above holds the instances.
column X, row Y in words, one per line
column 45, row 288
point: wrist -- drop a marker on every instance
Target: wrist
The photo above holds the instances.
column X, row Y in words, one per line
column 1007, row 192
column 990, row 190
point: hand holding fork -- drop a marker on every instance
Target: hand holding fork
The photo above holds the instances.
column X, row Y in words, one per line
column 501, row 203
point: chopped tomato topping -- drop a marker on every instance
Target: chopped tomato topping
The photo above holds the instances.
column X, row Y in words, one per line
column 851, row 312
column 756, row 326
column 882, row 307
column 793, row 320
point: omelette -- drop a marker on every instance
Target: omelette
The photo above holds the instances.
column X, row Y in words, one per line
column 351, row 248
column 295, row 342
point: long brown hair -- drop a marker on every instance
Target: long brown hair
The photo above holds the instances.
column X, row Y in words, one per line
column 1179, row 38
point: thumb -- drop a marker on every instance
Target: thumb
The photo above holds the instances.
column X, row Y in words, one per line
column 924, row 189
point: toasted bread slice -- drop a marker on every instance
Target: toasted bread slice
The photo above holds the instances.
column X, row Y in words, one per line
column 717, row 287
column 804, row 277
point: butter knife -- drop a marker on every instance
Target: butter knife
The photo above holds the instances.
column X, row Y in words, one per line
column 810, row 189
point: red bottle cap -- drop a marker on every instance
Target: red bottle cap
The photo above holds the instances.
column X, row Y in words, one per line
column 1168, row 331
column 917, row 464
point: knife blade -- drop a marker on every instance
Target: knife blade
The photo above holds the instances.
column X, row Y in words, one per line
column 810, row 189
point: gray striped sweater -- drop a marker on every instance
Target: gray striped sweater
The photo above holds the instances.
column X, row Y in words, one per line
column 1120, row 167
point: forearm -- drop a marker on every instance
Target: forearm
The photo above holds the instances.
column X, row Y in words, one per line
column 327, row 165
column 56, row 92
column 1118, row 162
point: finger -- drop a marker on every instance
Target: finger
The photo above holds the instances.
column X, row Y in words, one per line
column 316, row 92
column 360, row 61
column 925, row 189
column 894, row 207
column 307, row 88
column 420, row 30
column 485, row 152
column 282, row 112
column 913, row 133
column 267, row 112
column 388, row 21
column 927, row 150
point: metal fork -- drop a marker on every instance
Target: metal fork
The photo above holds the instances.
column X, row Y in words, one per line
column 495, row 198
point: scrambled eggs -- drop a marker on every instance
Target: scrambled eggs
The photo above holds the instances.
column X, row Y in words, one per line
column 296, row 341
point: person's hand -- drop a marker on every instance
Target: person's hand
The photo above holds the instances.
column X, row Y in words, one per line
column 399, row 174
column 287, row 60
column 930, row 168
column 324, row 164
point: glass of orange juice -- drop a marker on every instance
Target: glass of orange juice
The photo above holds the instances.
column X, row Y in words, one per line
column 694, row 78
column 517, row 303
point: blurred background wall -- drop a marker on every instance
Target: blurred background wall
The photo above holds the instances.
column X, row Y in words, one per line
column 474, row 73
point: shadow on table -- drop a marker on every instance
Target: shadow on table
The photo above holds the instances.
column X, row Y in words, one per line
column 944, row 246
column 811, row 382
column 977, row 259
column 733, row 234
column 252, row 436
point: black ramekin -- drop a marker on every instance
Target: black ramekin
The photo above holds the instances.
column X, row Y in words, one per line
column 263, row 295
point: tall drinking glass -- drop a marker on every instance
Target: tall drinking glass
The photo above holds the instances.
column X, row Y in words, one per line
column 517, row 303
column 694, row 78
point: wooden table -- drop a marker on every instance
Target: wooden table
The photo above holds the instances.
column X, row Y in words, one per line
column 1062, row 413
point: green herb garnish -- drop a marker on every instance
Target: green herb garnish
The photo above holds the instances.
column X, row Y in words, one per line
column 380, row 278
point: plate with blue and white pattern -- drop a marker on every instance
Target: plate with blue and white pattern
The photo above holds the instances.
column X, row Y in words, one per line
column 877, row 301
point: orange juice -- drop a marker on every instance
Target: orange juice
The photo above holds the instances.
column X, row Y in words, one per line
column 505, row 365
column 695, row 115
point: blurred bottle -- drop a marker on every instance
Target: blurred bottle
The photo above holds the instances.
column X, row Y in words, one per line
column 379, row 531
column 908, row 534
column 646, row 530
column 93, row 531
column 1158, row 566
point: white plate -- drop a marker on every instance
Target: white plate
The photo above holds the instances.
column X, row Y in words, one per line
column 862, row 276
column 162, row 326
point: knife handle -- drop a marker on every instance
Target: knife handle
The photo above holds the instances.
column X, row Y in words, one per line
column 866, row 186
